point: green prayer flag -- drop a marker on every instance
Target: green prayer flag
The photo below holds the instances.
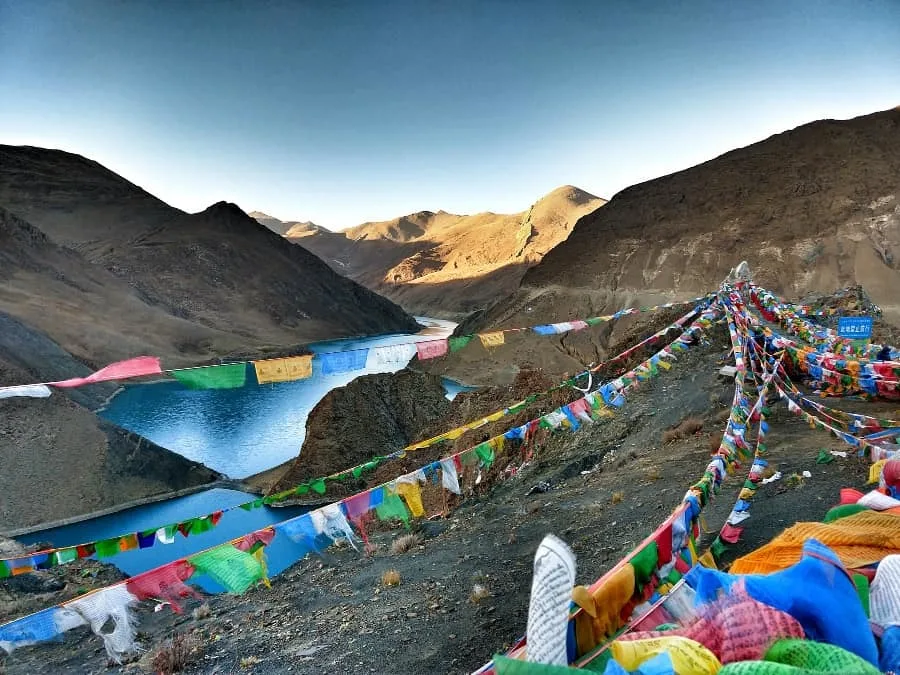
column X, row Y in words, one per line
column 66, row 555
column 644, row 562
column 199, row 525
column 593, row 321
column 231, row 568
column 392, row 507
column 4, row 569
column 843, row 511
column 318, row 485
column 457, row 343
column 107, row 548
column 486, row 454
column 356, row 471
column 717, row 548
column 824, row 457
column 229, row 376
column 506, row 666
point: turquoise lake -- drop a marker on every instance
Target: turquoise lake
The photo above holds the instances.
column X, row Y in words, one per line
column 240, row 432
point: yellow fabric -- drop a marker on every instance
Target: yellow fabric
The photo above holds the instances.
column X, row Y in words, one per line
column 496, row 416
column 746, row 493
column 858, row 540
column 707, row 560
column 602, row 607
column 875, row 470
column 688, row 657
column 492, row 339
column 412, row 496
column 496, row 443
column 665, row 365
column 283, row 370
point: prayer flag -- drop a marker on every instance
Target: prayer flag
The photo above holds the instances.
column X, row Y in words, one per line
column 229, row 376
column 343, row 362
column 29, row 390
column 283, row 370
column 492, row 339
column 431, row 349
column 121, row 370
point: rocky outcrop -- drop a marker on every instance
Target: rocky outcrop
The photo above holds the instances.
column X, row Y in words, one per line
column 373, row 415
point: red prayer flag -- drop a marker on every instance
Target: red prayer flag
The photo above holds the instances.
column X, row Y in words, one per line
column 431, row 349
column 121, row 370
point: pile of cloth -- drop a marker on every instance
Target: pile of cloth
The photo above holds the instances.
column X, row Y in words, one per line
column 818, row 598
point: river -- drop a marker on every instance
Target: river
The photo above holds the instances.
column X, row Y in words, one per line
column 240, row 432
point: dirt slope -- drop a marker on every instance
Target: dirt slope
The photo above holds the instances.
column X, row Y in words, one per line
column 219, row 270
column 817, row 207
column 444, row 264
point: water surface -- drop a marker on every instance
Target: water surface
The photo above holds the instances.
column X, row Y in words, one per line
column 240, row 432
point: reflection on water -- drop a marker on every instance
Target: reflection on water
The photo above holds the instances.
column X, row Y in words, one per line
column 243, row 431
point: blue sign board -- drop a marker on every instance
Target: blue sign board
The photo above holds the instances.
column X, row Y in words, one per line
column 855, row 327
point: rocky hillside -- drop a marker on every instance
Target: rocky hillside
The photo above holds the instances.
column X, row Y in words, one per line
column 814, row 208
column 229, row 281
column 444, row 264
column 817, row 207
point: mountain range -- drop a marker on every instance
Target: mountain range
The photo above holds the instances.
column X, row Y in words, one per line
column 440, row 263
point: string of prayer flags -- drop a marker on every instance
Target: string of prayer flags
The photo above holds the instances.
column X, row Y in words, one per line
column 121, row 370
column 283, row 370
column 300, row 367
column 431, row 349
column 494, row 339
column 227, row 376
column 343, row 362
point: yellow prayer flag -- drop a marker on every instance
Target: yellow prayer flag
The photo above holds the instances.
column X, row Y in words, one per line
column 492, row 339
column 412, row 497
column 665, row 365
column 875, row 470
column 746, row 493
column 283, row 370
column 496, row 416
column 708, row 561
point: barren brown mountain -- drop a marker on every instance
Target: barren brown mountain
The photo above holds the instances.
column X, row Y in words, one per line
column 811, row 209
column 444, row 264
column 225, row 281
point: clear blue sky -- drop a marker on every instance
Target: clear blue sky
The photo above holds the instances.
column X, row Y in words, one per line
column 342, row 112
